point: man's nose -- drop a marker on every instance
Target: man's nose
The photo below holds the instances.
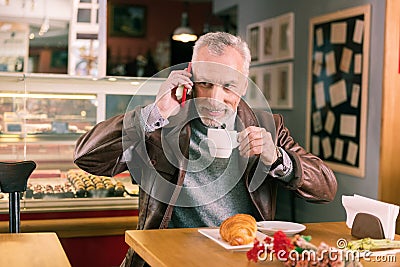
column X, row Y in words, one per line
column 217, row 92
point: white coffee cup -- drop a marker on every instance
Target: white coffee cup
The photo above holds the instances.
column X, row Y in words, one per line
column 221, row 142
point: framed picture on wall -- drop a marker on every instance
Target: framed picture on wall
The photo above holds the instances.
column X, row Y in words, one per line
column 284, row 86
column 59, row 59
column 274, row 84
column 269, row 40
column 127, row 20
column 253, row 76
column 338, row 88
column 285, row 36
column 255, row 94
column 253, row 40
column 267, row 83
column 272, row 40
column 253, row 87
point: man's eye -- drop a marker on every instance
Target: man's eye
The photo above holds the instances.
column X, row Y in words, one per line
column 229, row 86
column 205, row 84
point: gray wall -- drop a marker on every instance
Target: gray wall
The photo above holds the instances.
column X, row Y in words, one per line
column 250, row 11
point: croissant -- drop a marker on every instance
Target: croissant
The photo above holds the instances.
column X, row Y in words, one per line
column 239, row 229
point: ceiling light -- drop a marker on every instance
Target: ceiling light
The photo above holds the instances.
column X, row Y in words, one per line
column 184, row 33
column 45, row 26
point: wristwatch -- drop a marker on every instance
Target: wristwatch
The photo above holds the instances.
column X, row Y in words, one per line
column 278, row 161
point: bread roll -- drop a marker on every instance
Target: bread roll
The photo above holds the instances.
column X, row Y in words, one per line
column 239, row 229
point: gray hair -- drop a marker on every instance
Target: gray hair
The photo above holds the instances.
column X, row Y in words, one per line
column 216, row 42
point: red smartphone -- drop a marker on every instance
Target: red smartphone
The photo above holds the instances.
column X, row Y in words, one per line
column 185, row 90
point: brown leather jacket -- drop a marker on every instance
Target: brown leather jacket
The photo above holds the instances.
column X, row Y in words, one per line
column 100, row 152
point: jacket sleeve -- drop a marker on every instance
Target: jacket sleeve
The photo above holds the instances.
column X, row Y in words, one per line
column 100, row 151
column 313, row 179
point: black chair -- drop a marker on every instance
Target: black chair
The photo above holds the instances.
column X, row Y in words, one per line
column 13, row 179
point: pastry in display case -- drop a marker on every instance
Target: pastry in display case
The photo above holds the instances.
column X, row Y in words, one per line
column 89, row 185
column 77, row 183
column 75, row 189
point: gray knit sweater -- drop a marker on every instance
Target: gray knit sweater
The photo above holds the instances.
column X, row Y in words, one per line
column 213, row 190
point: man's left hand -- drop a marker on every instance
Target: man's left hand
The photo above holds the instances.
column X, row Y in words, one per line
column 257, row 141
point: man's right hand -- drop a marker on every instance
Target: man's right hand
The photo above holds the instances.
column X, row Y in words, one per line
column 166, row 100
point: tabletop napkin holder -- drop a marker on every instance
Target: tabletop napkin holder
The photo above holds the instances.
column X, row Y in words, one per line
column 375, row 214
column 367, row 225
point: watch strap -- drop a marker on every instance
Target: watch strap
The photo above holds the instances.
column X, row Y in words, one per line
column 278, row 161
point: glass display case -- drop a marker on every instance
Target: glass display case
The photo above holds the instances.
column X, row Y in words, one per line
column 41, row 118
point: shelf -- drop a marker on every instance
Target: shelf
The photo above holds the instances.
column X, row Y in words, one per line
column 74, row 204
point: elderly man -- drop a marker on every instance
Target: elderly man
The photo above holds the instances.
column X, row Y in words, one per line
column 162, row 145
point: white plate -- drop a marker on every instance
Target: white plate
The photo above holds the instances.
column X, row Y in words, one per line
column 289, row 228
column 215, row 236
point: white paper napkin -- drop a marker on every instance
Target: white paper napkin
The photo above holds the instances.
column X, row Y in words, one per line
column 386, row 212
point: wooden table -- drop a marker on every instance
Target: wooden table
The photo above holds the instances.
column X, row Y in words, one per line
column 187, row 247
column 32, row 249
